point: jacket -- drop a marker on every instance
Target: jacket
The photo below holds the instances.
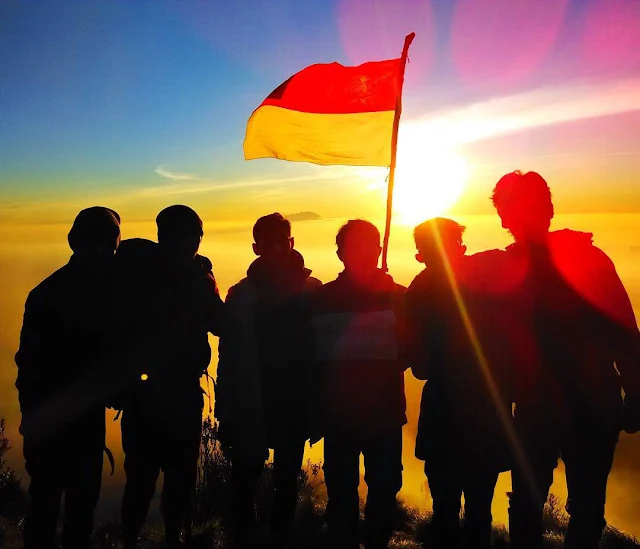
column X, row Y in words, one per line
column 66, row 332
column 575, row 323
column 263, row 378
column 359, row 349
column 457, row 325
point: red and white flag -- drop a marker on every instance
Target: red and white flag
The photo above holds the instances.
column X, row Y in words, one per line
column 329, row 114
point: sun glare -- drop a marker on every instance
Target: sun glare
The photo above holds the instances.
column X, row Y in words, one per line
column 430, row 176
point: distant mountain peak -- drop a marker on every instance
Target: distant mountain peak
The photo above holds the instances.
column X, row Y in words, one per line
column 303, row 216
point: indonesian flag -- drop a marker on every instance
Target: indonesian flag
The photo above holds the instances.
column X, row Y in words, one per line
column 329, row 114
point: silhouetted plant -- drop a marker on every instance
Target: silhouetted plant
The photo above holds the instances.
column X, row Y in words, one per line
column 212, row 510
column 555, row 518
column 12, row 497
column 555, row 525
column 213, row 492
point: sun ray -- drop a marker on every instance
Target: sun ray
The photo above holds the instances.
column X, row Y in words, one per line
column 430, row 176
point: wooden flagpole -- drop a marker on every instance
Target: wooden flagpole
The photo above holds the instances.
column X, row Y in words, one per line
column 394, row 146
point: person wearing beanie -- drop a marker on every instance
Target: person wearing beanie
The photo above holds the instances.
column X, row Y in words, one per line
column 65, row 334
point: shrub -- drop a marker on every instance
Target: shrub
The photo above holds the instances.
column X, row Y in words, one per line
column 12, row 497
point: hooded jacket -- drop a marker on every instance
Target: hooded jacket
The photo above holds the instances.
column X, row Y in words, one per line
column 575, row 323
column 262, row 386
column 456, row 325
column 359, row 365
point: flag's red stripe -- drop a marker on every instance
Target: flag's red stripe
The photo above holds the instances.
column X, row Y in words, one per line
column 335, row 89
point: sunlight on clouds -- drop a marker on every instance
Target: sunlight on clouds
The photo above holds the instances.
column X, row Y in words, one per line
column 160, row 170
column 533, row 109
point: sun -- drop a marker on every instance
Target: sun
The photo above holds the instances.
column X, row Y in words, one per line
column 430, row 176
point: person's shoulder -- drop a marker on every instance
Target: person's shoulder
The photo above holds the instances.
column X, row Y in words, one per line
column 50, row 285
column 242, row 291
column 312, row 284
column 331, row 285
column 203, row 263
column 576, row 250
column 488, row 255
column 421, row 280
column 322, row 293
column 486, row 261
column 398, row 288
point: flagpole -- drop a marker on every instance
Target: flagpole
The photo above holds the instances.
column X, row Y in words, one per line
column 394, row 146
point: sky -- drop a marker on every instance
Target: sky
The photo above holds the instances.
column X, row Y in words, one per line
column 139, row 105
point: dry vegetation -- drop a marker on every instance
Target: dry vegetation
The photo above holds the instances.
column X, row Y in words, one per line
column 211, row 511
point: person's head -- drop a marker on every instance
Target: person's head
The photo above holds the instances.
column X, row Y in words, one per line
column 95, row 229
column 179, row 231
column 523, row 202
column 359, row 248
column 272, row 237
column 437, row 239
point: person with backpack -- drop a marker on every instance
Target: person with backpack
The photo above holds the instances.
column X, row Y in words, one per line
column 455, row 328
column 360, row 383
column 578, row 345
column 264, row 376
column 66, row 334
column 168, row 299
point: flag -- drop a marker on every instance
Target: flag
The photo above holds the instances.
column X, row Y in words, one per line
column 329, row 114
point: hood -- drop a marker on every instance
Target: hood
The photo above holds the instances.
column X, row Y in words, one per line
column 279, row 277
column 379, row 281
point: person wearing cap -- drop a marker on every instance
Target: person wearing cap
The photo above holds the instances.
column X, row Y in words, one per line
column 65, row 333
column 455, row 325
column 168, row 302
column 578, row 346
column 264, row 375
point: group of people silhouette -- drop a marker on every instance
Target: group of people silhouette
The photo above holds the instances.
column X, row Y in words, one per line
column 526, row 353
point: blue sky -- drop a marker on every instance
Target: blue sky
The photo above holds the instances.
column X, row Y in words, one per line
column 99, row 94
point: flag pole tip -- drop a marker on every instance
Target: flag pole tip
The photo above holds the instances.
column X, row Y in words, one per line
column 407, row 42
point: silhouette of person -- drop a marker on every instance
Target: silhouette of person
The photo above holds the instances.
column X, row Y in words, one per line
column 360, row 379
column 65, row 332
column 262, row 389
column 167, row 296
column 575, row 322
column 453, row 336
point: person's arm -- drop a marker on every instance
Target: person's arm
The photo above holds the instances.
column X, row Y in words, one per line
column 415, row 326
column 402, row 337
column 214, row 307
column 227, row 358
column 31, row 355
column 317, row 371
column 611, row 297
